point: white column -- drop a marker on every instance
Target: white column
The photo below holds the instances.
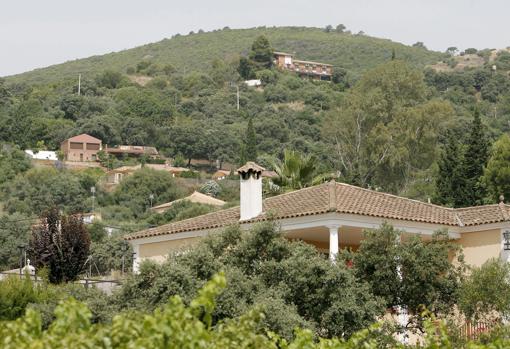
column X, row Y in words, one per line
column 136, row 258
column 333, row 241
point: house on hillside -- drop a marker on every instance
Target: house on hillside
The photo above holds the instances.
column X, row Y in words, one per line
column 308, row 69
column 195, row 197
column 334, row 215
column 81, row 148
column 115, row 176
column 132, row 151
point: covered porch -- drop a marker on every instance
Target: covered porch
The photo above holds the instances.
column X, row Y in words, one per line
column 331, row 232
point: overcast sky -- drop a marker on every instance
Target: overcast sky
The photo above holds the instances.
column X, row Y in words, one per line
column 38, row 33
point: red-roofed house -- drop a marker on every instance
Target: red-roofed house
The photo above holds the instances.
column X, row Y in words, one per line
column 81, row 148
column 333, row 215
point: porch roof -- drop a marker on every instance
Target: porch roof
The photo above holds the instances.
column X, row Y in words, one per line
column 339, row 198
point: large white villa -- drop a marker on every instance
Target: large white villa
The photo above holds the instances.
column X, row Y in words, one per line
column 333, row 215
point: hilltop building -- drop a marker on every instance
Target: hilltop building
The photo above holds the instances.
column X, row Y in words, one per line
column 308, row 69
column 81, row 148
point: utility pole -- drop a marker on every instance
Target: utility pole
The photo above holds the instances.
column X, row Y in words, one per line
column 79, row 84
column 93, row 191
column 237, row 87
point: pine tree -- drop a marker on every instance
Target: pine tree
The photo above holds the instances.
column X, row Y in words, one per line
column 261, row 52
column 497, row 173
column 449, row 181
column 475, row 159
column 251, row 142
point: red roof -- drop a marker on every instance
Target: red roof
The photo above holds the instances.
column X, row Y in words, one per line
column 84, row 138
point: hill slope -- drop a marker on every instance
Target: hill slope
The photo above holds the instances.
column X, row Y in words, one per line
column 195, row 52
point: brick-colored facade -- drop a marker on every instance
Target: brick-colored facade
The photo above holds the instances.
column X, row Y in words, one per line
column 81, row 148
column 313, row 70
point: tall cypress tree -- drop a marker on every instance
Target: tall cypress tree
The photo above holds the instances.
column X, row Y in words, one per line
column 450, row 181
column 475, row 159
column 251, row 142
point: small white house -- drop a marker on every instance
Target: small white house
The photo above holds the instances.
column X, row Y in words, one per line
column 253, row 83
column 42, row 155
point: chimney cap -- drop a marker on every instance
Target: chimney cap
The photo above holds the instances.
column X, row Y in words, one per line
column 250, row 166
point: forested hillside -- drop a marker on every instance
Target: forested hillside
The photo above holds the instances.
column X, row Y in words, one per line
column 196, row 52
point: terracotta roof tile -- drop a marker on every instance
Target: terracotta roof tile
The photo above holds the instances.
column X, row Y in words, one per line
column 84, row 138
column 341, row 198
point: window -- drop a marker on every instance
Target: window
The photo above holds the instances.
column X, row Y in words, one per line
column 92, row 146
column 76, row 145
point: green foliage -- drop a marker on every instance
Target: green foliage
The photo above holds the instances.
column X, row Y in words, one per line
column 108, row 253
column 14, row 231
column 475, row 159
column 251, row 142
column 178, row 325
column 34, row 191
column 295, row 171
column 60, row 243
column 497, row 173
column 264, row 270
column 486, row 292
column 373, row 136
column 261, row 52
column 450, row 178
column 16, row 294
column 211, row 188
column 12, row 162
column 134, row 191
column 414, row 274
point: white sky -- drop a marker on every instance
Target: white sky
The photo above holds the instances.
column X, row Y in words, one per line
column 38, row 33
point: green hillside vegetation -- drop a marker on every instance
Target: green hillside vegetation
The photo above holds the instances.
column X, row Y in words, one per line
column 196, row 52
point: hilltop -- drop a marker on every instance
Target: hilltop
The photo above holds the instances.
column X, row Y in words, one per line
column 195, row 52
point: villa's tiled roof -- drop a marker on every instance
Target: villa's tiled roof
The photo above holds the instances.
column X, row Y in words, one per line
column 340, row 198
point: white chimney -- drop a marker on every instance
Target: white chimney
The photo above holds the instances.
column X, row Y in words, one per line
column 251, row 190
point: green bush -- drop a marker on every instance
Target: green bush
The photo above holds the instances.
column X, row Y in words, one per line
column 17, row 293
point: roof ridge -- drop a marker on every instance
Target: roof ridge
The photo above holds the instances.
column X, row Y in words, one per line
column 503, row 210
column 473, row 207
column 332, row 195
column 395, row 196
column 184, row 220
column 295, row 191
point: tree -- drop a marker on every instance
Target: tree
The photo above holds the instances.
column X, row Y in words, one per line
column 486, row 292
column 385, row 129
column 496, row 175
column 449, row 180
column 419, row 44
column 328, row 28
column 31, row 192
column 475, row 159
column 452, row 50
column 251, row 142
column 12, row 162
column 295, row 171
column 60, row 243
column 14, row 231
column 110, row 79
column 134, row 192
column 340, row 28
column 413, row 274
column 245, row 69
column 290, row 281
column 261, row 52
